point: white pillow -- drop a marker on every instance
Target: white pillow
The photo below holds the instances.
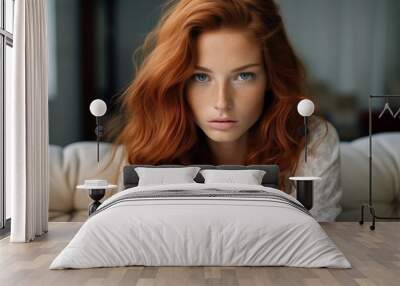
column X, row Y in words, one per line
column 249, row 177
column 162, row 176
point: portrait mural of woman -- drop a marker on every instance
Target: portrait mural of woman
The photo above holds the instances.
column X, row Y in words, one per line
column 219, row 83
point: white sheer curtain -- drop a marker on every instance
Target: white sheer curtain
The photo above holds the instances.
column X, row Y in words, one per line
column 27, row 124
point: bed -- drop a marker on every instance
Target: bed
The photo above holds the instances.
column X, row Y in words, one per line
column 201, row 223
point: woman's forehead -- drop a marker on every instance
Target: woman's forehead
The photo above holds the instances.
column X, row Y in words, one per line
column 228, row 47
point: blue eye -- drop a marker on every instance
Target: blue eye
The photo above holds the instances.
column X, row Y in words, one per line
column 200, row 77
column 246, row 76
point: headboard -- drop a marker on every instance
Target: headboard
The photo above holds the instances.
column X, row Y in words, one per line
column 270, row 179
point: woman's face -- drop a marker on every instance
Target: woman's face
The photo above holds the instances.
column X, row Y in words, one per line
column 226, row 91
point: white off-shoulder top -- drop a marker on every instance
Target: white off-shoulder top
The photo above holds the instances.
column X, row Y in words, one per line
column 323, row 160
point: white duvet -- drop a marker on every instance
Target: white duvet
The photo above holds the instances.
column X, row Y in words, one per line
column 182, row 231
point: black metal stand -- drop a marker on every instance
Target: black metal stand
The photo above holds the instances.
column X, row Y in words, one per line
column 370, row 204
column 96, row 195
column 304, row 193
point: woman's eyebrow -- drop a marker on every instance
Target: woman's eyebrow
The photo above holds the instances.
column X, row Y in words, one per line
column 236, row 69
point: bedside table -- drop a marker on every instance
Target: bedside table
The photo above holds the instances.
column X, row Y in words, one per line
column 97, row 190
column 304, row 190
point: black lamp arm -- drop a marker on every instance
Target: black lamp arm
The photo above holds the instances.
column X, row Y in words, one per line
column 99, row 133
column 305, row 137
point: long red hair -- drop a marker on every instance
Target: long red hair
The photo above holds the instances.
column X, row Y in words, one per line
column 158, row 126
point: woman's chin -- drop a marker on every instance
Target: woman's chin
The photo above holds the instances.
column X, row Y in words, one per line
column 223, row 136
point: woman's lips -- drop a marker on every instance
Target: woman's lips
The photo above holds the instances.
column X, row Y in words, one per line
column 222, row 125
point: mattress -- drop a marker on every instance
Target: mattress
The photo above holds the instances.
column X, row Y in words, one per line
column 198, row 224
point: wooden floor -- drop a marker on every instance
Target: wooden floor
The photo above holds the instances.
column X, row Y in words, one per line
column 374, row 255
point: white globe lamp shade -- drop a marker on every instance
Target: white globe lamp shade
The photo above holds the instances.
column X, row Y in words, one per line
column 305, row 107
column 98, row 107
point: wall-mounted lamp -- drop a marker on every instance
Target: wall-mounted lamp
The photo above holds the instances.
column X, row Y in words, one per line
column 98, row 108
column 304, row 185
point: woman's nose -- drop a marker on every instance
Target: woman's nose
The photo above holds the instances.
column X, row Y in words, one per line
column 223, row 99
